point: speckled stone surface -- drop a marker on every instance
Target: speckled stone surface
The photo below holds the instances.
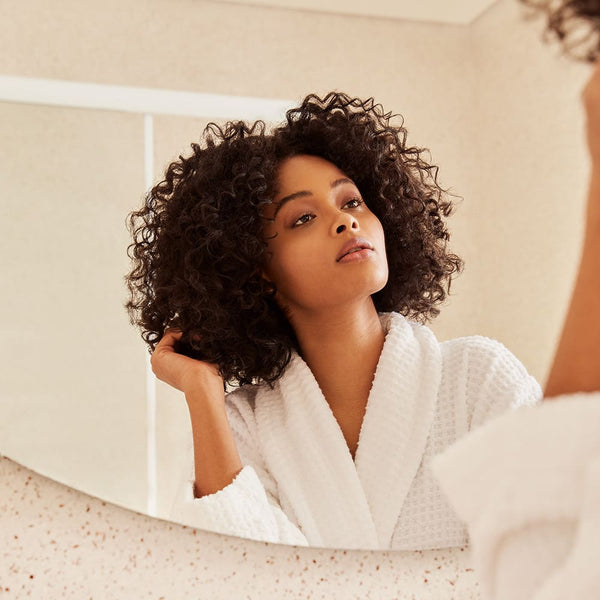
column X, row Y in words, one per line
column 57, row 542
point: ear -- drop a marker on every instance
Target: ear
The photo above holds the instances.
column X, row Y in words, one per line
column 271, row 287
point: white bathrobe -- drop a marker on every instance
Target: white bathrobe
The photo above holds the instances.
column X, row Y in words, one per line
column 527, row 484
column 300, row 485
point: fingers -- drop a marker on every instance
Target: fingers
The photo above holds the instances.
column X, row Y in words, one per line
column 163, row 350
column 169, row 337
column 165, row 346
column 173, row 331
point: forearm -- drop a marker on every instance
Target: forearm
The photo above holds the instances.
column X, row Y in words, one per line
column 216, row 459
column 576, row 365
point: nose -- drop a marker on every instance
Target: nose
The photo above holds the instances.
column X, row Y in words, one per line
column 345, row 221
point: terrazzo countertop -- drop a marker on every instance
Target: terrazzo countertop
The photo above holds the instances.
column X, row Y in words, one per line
column 57, row 542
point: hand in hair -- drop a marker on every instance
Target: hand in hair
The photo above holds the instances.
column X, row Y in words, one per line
column 216, row 459
column 181, row 372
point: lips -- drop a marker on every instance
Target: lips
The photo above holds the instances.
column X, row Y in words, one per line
column 353, row 244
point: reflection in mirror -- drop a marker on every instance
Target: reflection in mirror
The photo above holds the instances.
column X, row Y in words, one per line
column 240, row 277
column 312, row 462
column 257, row 260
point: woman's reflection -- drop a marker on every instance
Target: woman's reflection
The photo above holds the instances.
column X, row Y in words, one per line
column 303, row 265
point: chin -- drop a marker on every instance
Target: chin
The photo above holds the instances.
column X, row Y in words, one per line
column 380, row 283
column 379, row 288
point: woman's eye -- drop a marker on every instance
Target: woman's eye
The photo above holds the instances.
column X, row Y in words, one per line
column 295, row 224
column 305, row 218
column 357, row 200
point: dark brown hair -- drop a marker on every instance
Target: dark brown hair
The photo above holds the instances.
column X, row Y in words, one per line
column 574, row 23
column 198, row 252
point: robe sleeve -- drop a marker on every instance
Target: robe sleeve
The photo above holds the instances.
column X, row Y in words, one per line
column 527, row 485
column 496, row 381
column 247, row 507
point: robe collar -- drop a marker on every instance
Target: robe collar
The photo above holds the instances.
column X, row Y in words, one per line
column 337, row 501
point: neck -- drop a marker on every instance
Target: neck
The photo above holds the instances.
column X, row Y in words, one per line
column 342, row 348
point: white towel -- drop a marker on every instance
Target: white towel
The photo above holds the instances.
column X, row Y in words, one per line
column 527, row 485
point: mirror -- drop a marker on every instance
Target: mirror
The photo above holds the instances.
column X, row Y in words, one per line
column 498, row 109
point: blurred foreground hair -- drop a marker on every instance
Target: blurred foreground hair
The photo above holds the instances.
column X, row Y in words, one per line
column 575, row 23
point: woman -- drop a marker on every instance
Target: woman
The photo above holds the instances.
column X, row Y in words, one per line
column 302, row 265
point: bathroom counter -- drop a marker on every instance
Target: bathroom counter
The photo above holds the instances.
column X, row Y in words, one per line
column 58, row 542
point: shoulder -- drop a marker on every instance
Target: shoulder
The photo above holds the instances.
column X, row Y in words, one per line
column 476, row 345
column 244, row 394
column 481, row 354
column 494, row 379
column 471, row 356
column 240, row 403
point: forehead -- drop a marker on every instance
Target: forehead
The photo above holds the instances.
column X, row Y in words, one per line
column 299, row 175
column 300, row 170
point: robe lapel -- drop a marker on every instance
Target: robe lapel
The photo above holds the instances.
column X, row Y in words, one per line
column 339, row 502
column 307, row 454
column 399, row 417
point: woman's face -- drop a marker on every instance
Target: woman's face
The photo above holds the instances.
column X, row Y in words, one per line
column 324, row 212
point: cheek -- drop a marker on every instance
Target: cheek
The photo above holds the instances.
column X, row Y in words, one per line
column 382, row 239
column 293, row 264
column 299, row 267
column 282, row 266
column 378, row 228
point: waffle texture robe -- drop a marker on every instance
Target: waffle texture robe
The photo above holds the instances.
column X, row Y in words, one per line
column 299, row 484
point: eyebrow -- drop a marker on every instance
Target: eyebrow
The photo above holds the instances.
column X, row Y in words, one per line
column 303, row 193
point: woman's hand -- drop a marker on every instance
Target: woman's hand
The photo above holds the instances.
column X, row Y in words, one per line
column 216, row 459
column 182, row 372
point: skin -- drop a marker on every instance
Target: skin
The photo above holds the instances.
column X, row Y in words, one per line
column 328, row 303
column 576, row 365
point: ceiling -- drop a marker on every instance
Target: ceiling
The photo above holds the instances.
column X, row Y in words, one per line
column 457, row 12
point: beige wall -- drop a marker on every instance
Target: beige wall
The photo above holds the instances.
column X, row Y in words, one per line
column 72, row 394
column 498, row 110
column 529, row 175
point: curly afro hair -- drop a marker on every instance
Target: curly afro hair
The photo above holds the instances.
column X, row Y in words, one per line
column 198, row 250
column 575, row 23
